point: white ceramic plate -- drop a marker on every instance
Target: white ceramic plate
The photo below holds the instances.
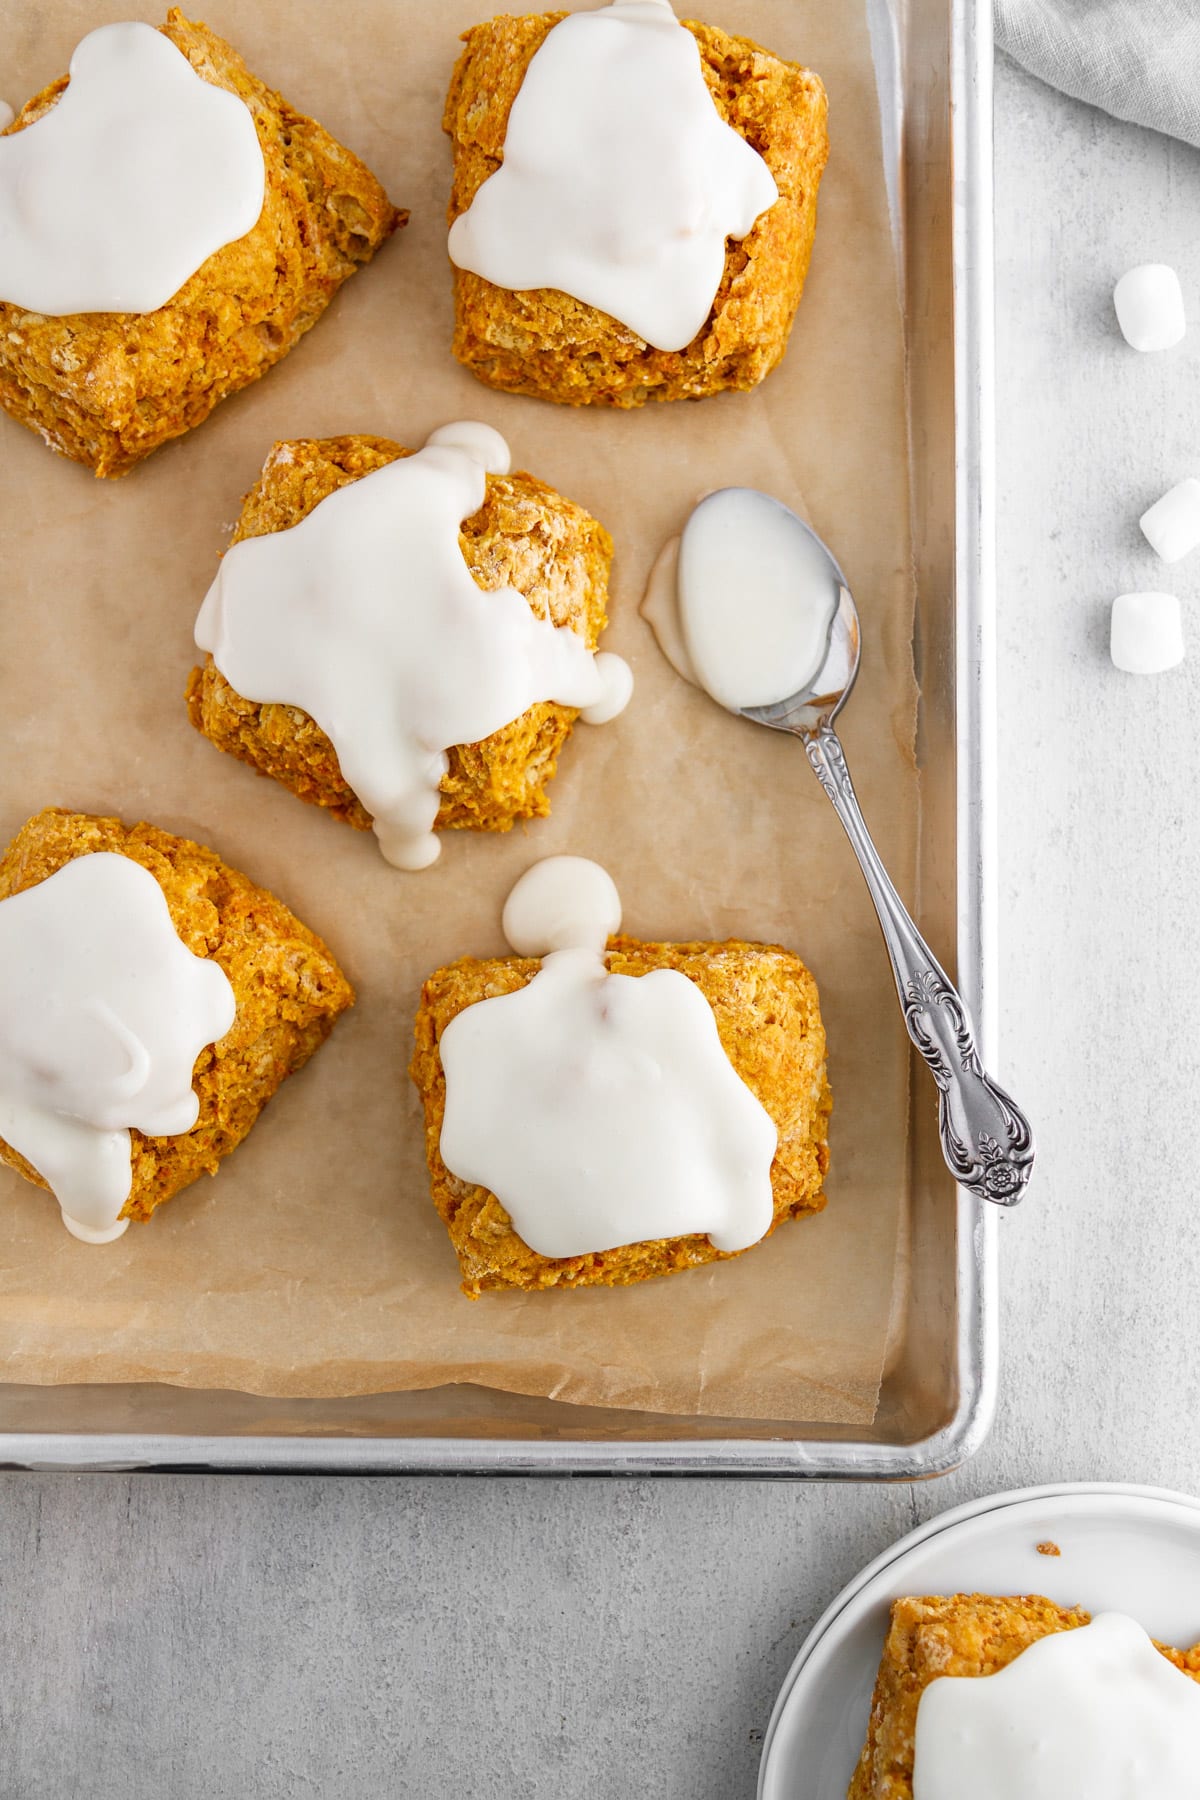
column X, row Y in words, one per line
column 1124, row 1549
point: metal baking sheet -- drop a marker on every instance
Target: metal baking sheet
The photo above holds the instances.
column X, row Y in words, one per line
column 934, row 68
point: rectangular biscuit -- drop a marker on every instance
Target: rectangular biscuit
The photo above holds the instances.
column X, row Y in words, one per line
column 288, row 988
column 546, row 343
column 524, row 536
column 960, row 1634
column 769, row 1022
column 108, row 388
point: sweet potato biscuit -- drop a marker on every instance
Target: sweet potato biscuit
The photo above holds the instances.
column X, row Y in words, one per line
column 289, row 990
column 524, row 536
column 768, row 1018
column 108, row 388
column 541, row 341
column 964, row 1634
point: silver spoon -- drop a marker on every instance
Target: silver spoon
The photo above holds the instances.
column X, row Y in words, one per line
column 986, row 1138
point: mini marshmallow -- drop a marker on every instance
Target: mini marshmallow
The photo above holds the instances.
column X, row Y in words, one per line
column 1146, row 635
column 1149, row 303
column 1172, row 524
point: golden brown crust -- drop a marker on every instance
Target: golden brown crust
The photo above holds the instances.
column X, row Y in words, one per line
column 769, row 1021
column 524, row 536
column 960, row 1634
column 543, row 342
column 288, row 988
column 108, row 388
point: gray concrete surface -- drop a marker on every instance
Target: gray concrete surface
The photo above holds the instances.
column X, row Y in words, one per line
column 171, row 1639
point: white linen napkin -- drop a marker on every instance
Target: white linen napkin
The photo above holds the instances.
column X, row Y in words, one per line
column 1138, row 59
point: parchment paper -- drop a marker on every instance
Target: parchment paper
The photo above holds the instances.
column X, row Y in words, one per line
column 314, row 1264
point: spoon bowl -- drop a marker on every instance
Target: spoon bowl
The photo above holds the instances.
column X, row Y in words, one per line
column 821, row 699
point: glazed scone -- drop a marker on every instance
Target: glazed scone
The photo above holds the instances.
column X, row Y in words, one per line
column 769, row 1023
column 288, row 989
column 961, row 1634
column 108, row 388
column 542, row 341
column 525, row 536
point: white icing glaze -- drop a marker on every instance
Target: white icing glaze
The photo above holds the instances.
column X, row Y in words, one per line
column 620, row 182
column 482, row 443
column 105, row 1012
column 601, row 1109
column 366, row 615
column 140, row 172
column 742, row 603
column 616, row 679
column 756, row 598
column 7, row 115
column 87, row 1234
column 562, row 903
column 1096, row 1712
column 660, row 609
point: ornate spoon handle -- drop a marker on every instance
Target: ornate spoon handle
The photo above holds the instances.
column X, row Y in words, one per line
column 986, row 1139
